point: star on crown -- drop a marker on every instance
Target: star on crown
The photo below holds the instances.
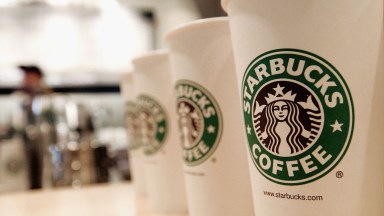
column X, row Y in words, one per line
column 279, row 95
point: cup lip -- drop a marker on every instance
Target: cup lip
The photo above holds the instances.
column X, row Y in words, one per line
column 224, row 5
column 153, row 54
column 195, row 24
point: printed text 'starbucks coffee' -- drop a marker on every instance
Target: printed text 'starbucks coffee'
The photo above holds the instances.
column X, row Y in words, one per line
column 298, row 115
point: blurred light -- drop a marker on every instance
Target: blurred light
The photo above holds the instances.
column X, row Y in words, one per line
column 62, row 48
column 7, row 3
column 10, row 76
column 72, row 115
column 121, row 35
column 81, row 36
column 59, row 3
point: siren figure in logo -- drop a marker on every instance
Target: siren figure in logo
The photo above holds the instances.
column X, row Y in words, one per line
column 147, row 127
column 132, row 127
column 188, row 124
column 279, row 124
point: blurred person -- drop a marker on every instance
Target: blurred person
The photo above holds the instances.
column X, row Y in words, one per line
column 33, row 80
column 33, row 87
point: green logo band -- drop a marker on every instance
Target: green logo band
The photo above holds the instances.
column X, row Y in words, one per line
column 200, row 122
column 298, row 115
column 153, row 124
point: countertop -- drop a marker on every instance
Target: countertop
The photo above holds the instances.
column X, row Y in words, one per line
column 98, row 200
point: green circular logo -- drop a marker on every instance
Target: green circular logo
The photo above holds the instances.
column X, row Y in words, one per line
column 132, row 125
column 153, row 124
column 299, row 115
column 200, row 122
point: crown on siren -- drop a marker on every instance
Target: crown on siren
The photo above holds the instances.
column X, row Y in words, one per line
column 280, row 95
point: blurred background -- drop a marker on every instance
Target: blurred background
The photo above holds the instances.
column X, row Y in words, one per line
column 62, row 116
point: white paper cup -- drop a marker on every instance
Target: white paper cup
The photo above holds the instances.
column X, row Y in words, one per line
column 210, row 121
column 310, row 84
column 135, row 151
column 158, row 131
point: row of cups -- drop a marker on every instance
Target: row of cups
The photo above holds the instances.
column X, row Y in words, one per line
column 276, row 110
column 187, row 111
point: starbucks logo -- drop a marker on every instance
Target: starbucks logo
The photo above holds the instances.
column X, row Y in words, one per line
column 200, row 122
column 152, row 124
column 298, row 115
column 132, row 124
column 287, row 123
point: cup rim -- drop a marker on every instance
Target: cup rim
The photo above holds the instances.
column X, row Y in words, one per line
column 149, row 55
column 224, row 5
column 196, row 24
